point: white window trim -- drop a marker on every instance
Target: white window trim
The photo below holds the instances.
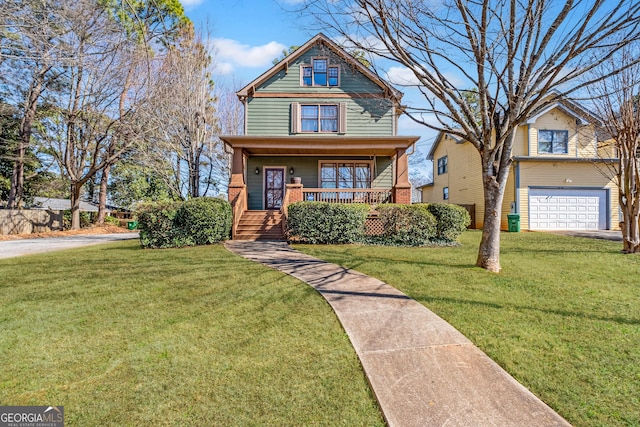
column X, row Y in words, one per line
column 443, row 193
column 551, row 153
column 329, row 65
column 369, row 162
column 446, row 165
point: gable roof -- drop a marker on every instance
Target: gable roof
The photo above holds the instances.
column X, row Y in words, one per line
column 320, row 39
column 571, row 108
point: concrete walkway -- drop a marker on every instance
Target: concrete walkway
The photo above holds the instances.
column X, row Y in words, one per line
column 421, row 369
column 14, row 248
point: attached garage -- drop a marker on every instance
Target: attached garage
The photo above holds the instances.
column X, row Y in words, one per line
column 568, row 209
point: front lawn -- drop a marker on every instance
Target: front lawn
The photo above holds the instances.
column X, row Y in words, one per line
column 563, row 317
column 124, row 337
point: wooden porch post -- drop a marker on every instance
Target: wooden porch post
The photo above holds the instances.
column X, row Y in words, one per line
column 402, row 189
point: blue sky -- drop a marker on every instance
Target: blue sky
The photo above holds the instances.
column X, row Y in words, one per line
column 249, row 34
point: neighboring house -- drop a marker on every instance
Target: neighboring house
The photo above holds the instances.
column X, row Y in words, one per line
column 558, row 180
column 323, row 118
column 61, row 204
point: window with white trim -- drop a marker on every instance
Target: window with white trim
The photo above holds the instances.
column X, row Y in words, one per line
column 320, row 73
column 445, row 193
column 553, row 141
column 442, row 165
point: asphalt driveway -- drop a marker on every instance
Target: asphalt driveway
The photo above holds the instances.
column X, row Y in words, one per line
column 14, row 248
column 616, row 236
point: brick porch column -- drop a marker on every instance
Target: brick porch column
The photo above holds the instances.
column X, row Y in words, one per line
column 295, row 192
column 236, row 185
column 402, row 189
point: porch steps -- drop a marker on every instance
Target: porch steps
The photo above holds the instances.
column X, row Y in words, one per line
column 260, row 225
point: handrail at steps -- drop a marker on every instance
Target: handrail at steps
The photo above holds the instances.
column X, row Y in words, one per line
column 284, row 210
column 239, row 208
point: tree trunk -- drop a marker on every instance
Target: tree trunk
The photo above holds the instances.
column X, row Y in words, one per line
column 496, row 166
column 489, row 250
column 16, row 192
column 76, row 189
column 102, row 206
column 629, row 180
column 17, row 179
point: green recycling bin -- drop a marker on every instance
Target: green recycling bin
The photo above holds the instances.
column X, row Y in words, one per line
column 514, row 223
column 132, row 225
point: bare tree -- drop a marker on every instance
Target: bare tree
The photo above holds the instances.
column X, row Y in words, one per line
column 230, row 113
column 521, row 56
column 182, row 110
column 88, row 127
column 616, row 99
column 30, row 54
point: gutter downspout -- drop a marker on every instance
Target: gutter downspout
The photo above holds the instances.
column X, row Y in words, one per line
column 516, row 167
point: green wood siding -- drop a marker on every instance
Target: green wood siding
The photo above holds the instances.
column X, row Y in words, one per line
column 365, row 116
column 307, row 169
column 351, row 80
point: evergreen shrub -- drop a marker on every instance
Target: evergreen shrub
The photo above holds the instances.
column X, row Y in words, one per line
column 204, row 220
column 407, row 225
column 326, row 223
column 156, row 225
column 199, row 221
column 452, row 220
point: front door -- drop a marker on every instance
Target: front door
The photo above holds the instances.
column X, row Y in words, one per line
column 273, row 187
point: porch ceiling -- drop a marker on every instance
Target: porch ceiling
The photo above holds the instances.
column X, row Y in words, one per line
column 320, row 145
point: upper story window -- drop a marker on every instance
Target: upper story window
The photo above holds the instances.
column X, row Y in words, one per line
column 553, row 141
column 320, row 73
column 318, row 118
column 442, row 165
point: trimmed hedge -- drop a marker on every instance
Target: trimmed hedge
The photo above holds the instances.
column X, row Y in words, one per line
column 326, row 223
column 204, row 220
column 198, row 221
column 452, row 220
column 155, row 223
column 410, row 225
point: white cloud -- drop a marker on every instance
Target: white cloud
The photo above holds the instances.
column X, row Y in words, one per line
column 233, row 53
column 224, row 68
column 190, row 3
column 402, row 76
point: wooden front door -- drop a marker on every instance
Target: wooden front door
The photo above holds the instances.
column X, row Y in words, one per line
column 273, row 188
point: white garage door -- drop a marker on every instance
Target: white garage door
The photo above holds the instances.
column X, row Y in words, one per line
column 565, row 209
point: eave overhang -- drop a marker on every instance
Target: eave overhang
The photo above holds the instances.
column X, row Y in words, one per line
column 564, row 159
column 320, row 145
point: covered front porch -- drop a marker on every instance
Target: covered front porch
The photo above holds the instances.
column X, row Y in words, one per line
column 269, row 173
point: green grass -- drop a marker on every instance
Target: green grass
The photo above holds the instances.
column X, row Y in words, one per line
column 563, row 317
column 124, row 337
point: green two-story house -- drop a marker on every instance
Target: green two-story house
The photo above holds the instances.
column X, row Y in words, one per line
column 317, row 121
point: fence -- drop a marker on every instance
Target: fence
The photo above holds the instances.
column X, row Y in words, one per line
column 29, row 221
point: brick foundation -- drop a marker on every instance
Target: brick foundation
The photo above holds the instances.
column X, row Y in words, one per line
column 402, row 195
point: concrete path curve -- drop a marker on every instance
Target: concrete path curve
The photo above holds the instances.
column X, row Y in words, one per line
column 421, row 369
column 14, row 248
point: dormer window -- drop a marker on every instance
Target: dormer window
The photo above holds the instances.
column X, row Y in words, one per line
column 553, row 141
column 320, row 73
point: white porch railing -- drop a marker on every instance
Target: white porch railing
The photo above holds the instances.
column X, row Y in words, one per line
column 371, row 196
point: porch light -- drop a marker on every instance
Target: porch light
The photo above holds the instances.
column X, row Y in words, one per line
column 291, row 171
column 257, row 171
